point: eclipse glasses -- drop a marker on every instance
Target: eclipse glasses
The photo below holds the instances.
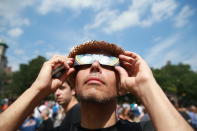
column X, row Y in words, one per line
column 87, row 59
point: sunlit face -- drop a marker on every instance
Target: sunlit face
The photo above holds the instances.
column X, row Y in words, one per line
column 44, row 113
column 64, row 94
column 96, row 83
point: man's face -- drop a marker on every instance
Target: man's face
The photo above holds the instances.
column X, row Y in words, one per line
column 64, row 94
column 96, row 83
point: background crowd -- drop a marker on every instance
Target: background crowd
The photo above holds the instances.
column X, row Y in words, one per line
column 50, row 114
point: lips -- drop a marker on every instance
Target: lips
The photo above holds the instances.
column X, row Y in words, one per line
column 59, row 99
column 94, row 80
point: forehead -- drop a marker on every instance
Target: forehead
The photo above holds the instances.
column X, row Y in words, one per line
column 65, row 86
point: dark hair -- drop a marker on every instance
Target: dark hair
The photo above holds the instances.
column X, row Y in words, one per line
column 70, row 83
column 96, row 47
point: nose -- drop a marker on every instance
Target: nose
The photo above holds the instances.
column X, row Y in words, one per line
column 95, row 67
column 57, row 92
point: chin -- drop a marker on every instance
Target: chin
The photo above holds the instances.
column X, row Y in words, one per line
column 96, row 100
column 95, row 93
column 96, row 97
column 60, row 103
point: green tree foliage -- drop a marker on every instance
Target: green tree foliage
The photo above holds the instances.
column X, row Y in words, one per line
column 26, row 75
column 2, row 78
column 5, row 79
column 179, row 80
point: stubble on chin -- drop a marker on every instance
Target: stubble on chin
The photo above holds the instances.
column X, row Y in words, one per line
column 96, row 97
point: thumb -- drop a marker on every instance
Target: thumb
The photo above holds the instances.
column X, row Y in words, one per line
column 126, row 82
column 122, row 72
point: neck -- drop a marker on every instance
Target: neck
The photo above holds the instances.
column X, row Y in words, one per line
column 72, row 102
column 97, row 115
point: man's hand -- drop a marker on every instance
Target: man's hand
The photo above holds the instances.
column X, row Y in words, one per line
column 45, row 82
column 42, row 87
column 136, row 77
column 134, row 74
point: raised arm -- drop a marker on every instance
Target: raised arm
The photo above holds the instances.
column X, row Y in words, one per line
column 44, row 84
column 137, row 78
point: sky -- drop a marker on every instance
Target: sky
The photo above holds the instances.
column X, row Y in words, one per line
column 158, row 30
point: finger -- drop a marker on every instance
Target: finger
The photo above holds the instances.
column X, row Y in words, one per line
column 126, row 82
column 58, row 60
column 122, row 72
column 126, row 58
column 71, row 59
column 126, row 64
column 70, row 71
column 60, row 64
column 61, row 60
column 139, row 60
column 70, row 62
column 129, row 67
column 132, row 54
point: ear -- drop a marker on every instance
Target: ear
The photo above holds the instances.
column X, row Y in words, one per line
column 73, row 92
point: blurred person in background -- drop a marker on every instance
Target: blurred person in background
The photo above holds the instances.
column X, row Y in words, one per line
column 5, row 104
column 59, row 117
column 65, row 96
column 126, row 114
column 182, row 110
column 38, row 110
column 55, row 109
column 47, row 122
column 145, row 117
column 30, row 124
column 136, row 112
column 192, row 112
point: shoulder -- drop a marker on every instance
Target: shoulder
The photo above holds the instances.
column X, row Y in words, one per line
column 147, row 126
column 73, row 113
column 128, row 126
column 72, row 117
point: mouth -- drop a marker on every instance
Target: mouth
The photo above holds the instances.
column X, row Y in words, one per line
column 58, row 99
column 94, row 80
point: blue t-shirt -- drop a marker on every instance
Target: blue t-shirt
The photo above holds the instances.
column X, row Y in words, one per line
column 30, row 124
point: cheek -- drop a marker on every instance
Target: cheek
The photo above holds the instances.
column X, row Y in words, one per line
column 112, row 79
column 79, row 79
column 67, row 93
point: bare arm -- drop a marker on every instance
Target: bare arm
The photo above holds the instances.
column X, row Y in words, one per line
column 137, row 78
column 14, row 115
